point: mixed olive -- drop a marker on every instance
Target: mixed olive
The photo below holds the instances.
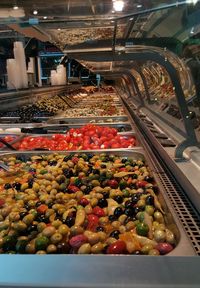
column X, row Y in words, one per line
column 81, row 204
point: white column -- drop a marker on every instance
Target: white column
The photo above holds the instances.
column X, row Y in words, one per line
column 39, row 72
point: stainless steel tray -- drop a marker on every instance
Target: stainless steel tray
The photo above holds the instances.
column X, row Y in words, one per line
column 184, row 246
column 124, row 134
column 95, row 119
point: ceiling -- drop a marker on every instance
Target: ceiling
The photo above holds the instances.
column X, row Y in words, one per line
column 78, row 24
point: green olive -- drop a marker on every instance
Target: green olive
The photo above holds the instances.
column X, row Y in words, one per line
column 49, row 231
column 56, row 238
column 97, row 248
column 158, row 217
column 85, row 249
column 28, row 219
column 159, row 235
column 41, row 226
column 154, row 252
column 149, row 209
column 51, row 249
column 75, row 230
column 146, row 248
column 19, row 226
column 63, row 229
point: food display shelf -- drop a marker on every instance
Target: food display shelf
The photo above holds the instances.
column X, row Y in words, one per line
column 183, row 245
column 95, row 119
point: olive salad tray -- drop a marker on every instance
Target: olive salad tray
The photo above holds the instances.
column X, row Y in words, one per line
column 86, row 202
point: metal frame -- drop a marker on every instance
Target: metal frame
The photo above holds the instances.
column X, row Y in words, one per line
column 191, row 139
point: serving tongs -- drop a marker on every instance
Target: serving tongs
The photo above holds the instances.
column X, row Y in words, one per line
column 7, row 144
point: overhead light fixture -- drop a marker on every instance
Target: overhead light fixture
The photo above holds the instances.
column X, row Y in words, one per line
column 194, row 2
column 15, row 7
column 118, row 5
column 45, row 17
column 35, row 12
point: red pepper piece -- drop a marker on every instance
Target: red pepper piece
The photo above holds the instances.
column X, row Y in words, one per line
column 141, row 184
column 98, row 211
column 42, row 208
column 93, row 221
column 2, row 202
column 73, row 188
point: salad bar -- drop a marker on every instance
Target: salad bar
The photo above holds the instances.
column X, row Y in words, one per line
column 88, row 201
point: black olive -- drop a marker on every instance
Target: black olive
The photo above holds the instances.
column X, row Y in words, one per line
column 118, row 211
column 95, row 171
column 134, row 176
column 129, row 204
column 52, row 163
column 88, row 189
column 26, row 206
column 61, row 179
column 136, row 210
column 30, row 183
column 137, row 252
column 32, row 228
column 38, row 203
column 106, row 195
column 133, row 186
column 118, row 199
column 103, row 165
column 135, row 198
column 115, row 234
column 149, row 200
column 149, row 179
column 70, row 221
column 50, row 204
column 63, row 248
column 21, row 158
column 112, row 217
column 7, row 186
column 90, row 155
column 32, row 170
column 22, row 214
column 124, row 160
column 68, row 172
column 68, row 157
column 42, row 218
column 129, row 212
column 129, row 218
column 16, row 186
column 9, row 243
column 102, row 203
column 99, row 228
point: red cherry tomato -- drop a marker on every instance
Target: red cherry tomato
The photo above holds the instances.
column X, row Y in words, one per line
column 118, row 247
column 141, row 184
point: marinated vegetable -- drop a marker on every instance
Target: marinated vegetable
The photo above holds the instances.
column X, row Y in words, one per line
column 75, row 204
